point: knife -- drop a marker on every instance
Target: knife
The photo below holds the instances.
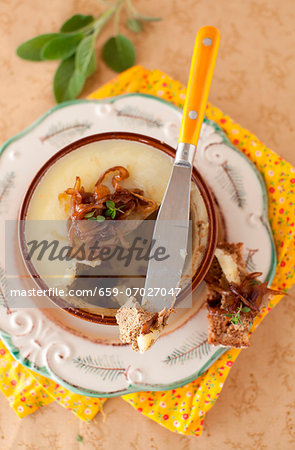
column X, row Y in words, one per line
column 172, row 225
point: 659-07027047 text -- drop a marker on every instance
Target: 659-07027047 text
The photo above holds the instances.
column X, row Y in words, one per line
column 97, row 291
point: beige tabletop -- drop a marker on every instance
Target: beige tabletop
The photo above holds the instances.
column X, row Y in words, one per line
column 253, row 83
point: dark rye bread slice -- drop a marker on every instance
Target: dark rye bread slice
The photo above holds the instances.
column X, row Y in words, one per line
column 222, row 331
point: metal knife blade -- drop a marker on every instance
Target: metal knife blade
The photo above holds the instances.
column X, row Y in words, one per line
column 171, row 232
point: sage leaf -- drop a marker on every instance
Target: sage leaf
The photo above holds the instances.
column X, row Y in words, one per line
column 85, row 60
column 62, row 47
column 134, row 25
column 62, row 77
column 75, row 86
column 76, row 22
column 68, row 82
column 92, row 65
column 245, row 309
column 118, row 53
column 31, row 50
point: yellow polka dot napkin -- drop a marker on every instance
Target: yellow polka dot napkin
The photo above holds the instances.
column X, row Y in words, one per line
column 182, row 410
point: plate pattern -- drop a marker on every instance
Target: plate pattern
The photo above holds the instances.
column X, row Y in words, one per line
column 94, row 368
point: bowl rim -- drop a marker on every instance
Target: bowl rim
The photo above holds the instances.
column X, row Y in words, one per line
column 207, row 197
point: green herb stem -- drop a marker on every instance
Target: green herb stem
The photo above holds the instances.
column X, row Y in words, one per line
column 101, row 21
column 117, row 16
column 131, row 8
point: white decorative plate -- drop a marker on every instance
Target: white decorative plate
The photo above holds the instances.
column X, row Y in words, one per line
column 86, row 357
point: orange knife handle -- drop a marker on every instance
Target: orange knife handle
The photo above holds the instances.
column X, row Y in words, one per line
column 201, row 73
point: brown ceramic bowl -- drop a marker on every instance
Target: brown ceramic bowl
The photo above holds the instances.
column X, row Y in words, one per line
column 88, row 313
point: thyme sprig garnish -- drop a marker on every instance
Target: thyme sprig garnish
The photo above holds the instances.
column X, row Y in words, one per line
column 235, row 318
column 111, row 211
column 90, row 216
